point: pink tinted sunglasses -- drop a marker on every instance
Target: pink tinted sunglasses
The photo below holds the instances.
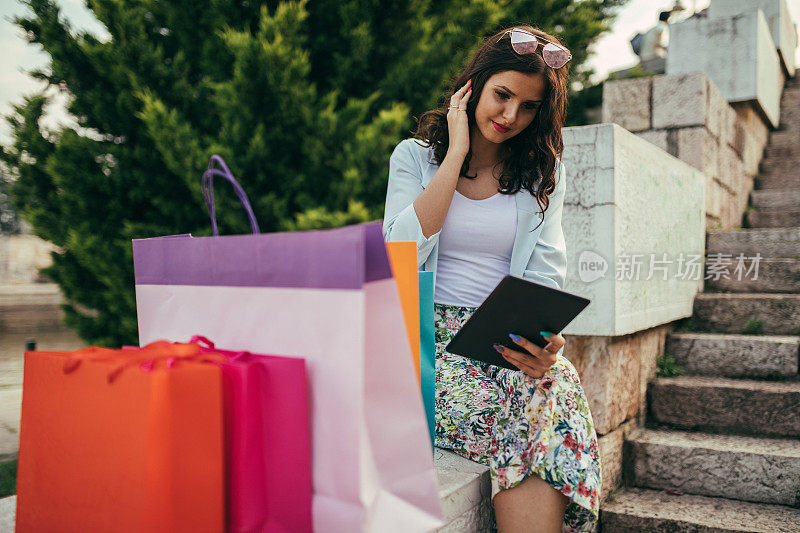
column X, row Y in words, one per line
column 524, row 42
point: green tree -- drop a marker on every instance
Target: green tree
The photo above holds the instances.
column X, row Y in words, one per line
column 304, row 100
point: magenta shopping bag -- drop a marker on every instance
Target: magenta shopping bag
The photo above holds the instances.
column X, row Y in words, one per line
column 330, row 296
column 267, row 439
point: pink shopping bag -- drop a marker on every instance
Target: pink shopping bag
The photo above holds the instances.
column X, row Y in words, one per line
column 330, row 296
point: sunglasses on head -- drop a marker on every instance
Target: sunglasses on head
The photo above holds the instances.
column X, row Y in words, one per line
column 524, row 42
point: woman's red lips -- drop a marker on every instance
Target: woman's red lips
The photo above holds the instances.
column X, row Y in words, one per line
column 500, row 128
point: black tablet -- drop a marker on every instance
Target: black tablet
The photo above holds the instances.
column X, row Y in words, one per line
column 519, row 306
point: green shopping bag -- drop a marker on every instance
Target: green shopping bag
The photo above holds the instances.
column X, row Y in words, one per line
column 427, row 348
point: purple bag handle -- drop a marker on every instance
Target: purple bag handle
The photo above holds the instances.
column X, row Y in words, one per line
column 208, row 193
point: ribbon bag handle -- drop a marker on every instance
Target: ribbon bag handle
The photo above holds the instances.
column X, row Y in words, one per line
column 208, row 192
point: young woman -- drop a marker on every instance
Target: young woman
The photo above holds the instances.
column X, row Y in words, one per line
column 480, row 189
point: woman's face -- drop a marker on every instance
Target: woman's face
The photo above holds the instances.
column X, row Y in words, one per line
column 509, row 99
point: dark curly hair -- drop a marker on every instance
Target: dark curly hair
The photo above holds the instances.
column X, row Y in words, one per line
column 532, row 153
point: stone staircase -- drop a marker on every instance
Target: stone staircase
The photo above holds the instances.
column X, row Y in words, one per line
column 721, row 448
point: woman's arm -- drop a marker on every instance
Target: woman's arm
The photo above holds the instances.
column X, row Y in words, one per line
column 548, row 262
column 414, row 213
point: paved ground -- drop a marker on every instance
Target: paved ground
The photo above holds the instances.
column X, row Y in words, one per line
column 12, row 352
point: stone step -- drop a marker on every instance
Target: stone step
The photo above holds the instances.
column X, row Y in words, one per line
column 465, row 490
column 764, row 275
column 781, row 151
column 635, row 510
column 725, row 405
column 735, row 356
column 769, row 242
column 740, row 468
column 777, row 181
column 786, row 137
column 779, row 165
column 760, row 313
column 779, row 217
column 787, row 198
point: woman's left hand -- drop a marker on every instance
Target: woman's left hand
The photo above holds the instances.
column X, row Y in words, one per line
column 540, row 361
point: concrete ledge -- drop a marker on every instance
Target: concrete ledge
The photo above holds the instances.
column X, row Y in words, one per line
column 465, row 489
column 8, row 511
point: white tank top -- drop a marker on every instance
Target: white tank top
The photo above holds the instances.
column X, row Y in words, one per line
column 475, row 248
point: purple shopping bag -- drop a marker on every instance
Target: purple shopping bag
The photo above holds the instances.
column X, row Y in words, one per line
column 330, row 296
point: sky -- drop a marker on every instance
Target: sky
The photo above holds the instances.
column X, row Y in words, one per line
column 611, row 52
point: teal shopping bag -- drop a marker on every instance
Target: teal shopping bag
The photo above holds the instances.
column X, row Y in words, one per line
column 427, row 348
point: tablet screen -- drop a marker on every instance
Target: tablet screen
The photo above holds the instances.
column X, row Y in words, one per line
column 516, row 305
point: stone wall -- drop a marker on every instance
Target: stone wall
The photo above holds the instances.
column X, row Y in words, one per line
column 686, row 116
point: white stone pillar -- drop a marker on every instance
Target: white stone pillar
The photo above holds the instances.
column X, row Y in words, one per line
column 783, row 30
column 736, row 53
column 627, row 199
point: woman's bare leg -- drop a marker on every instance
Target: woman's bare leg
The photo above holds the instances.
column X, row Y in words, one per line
column 533, row 506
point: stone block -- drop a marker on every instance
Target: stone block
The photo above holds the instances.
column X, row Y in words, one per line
column 619, row 182
column 781, row 27
column 614, row 372
column 611, row 450
column 700, row 149
column 609, row 369
column 750, row 118
column 680, row 100
column 714, row 198
column 752, row 153
column 655, row 137
column 738, row 55
column 627, row 103
column 730, row 168
column 729, row 122
column 716, row 108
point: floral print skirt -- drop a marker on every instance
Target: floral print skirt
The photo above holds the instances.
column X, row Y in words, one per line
column 517, row 425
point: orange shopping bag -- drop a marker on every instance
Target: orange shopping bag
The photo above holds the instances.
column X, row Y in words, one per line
column 123, row 441
column 403, row 260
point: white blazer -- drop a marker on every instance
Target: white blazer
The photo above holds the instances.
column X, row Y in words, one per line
column 539, row 255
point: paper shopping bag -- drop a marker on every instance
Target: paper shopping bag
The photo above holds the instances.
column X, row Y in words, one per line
column 330, row 296
column 403, row 260
column 267, row 442
column 109, row 444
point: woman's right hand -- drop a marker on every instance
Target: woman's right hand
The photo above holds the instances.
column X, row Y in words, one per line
column 457, row 121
